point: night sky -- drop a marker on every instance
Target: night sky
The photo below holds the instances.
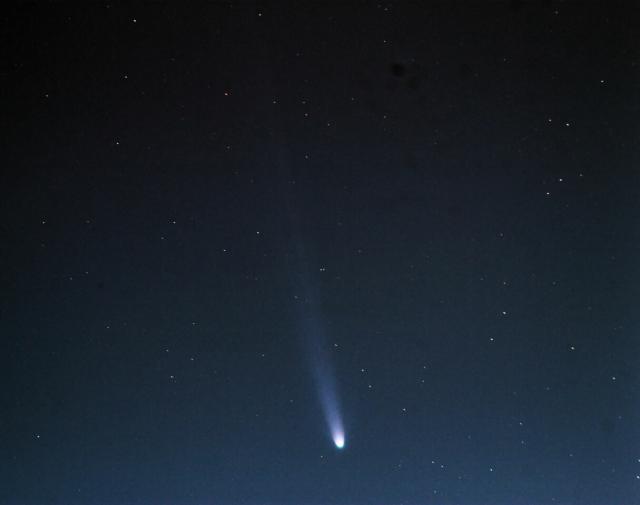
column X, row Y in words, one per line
column 233, row 233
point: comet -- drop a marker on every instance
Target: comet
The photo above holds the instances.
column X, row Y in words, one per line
column 326, row 385
column 324, row 376
column 305, row 290
column 309, row 314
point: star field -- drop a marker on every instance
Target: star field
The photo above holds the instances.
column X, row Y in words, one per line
column 443, row 199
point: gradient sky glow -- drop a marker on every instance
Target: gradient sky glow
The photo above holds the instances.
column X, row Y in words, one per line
column 235, row 234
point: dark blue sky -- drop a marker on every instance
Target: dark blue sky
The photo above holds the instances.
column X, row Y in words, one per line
column 436, row 205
